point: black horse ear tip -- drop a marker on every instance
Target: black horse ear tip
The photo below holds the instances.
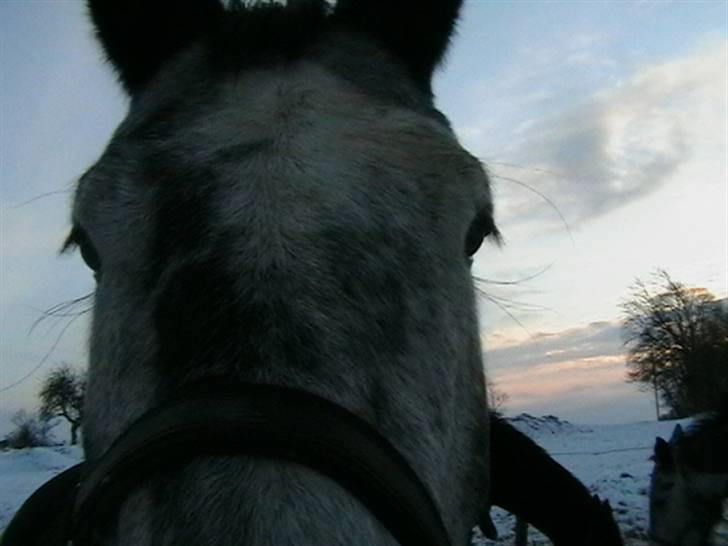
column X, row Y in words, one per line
column 677, row 434
column 662, row 454
column 138, row 37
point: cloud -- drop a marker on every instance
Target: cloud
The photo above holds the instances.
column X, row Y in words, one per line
column 569, row 373
column 566, row 378
column 595, row 154
column 596, row 340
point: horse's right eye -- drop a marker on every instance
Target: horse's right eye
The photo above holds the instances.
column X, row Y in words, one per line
column 482, row 227
column 90, row 256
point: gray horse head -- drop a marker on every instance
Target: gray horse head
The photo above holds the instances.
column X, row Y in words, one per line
column 283, row 204
column 688, row 484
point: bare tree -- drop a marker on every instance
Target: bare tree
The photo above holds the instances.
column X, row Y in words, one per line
column 29, row 431
column 62, row 396
column 496, row 398
column 677, row 338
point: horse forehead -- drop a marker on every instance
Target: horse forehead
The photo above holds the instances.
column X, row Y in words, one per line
column 307, row 108
column 271, row 125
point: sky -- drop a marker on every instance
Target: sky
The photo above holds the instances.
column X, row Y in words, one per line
column 603, row 126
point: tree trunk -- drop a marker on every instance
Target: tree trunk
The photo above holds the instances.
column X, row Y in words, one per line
column 74, row 433
column 654, row 387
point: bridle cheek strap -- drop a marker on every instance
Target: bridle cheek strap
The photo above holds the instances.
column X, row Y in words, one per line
column 269, row 422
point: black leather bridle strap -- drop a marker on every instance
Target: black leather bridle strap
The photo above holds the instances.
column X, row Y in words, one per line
column 271, row 422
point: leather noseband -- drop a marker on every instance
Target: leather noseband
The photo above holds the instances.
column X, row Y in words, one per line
column 251, row 420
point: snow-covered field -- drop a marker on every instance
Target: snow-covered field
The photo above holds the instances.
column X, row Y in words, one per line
column 612, row 460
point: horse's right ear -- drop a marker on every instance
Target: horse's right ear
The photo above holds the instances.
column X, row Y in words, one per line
column 677, row 434
column 663, row 453
column 140, row 35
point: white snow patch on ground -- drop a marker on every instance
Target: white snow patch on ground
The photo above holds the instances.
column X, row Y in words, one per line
column 611, row 460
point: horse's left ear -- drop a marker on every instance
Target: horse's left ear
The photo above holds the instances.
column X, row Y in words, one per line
column 416, row 31
column 663, row 453
column 139, row 36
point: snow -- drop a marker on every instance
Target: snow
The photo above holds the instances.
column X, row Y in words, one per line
column 611, row 460
column 22, row 471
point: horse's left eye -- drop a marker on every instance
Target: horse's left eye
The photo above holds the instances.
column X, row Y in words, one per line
column 90, row 256
column 482, row 227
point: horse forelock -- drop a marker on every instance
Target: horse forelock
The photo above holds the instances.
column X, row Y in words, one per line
column 265, row 33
